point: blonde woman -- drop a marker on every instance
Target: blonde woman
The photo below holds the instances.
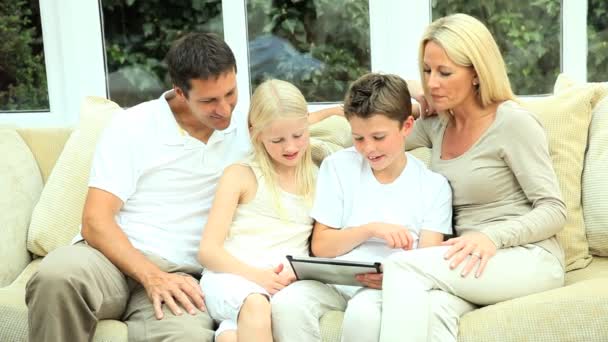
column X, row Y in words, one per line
column 259, row 215
column 506, row 199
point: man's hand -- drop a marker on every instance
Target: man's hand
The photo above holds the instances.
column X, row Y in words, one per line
column 171, row 289
column 371, row 280
column 396, row 236
column 417, row 93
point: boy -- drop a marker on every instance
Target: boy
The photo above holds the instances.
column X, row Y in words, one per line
column 372, row 200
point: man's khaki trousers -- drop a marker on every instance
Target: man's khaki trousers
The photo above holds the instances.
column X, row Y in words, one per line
column 76, row 286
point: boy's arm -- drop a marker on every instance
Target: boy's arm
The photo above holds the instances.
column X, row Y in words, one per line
column 329, row 242
column 429, row 238
column 323, row 114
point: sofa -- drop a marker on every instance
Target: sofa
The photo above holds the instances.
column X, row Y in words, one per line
column 44, row 172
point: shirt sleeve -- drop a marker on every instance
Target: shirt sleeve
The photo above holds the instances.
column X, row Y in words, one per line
column 328, row 207
column 526, row 152
column 438, row 208
column 113, row 167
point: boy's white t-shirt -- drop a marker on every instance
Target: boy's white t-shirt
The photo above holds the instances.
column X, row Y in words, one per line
column 349, row 195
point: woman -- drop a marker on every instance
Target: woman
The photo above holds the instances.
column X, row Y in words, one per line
column 507, row 204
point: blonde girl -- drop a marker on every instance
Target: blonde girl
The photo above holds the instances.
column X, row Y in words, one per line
column 259, row 215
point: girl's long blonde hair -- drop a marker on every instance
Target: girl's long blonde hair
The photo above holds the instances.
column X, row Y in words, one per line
column 272, row 100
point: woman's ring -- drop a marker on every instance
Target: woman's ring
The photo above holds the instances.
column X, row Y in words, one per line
column 477, row 254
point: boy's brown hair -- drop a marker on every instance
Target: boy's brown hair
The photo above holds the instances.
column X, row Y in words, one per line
column 376, row 93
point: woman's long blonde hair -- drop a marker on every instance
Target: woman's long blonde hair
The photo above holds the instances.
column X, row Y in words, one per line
column 468, row 42
column 272, row 100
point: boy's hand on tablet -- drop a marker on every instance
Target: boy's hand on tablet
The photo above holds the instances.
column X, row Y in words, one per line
column 371, row 280
column 396, row 236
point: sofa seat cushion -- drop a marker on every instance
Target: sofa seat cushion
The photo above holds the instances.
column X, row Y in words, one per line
column 56, row 217
column 13, row 313
column 573, row 313
column 598, row 268
column 20, row 187
column 595, row 182
column 555, row 315
column 566, row 116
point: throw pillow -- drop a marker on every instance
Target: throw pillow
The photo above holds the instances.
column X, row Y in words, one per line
column 595, row 183
column 21, row 184
column 56, row 217
column 566, row 116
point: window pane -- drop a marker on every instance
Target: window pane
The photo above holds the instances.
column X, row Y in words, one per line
column 597, row 31
column 23, row 84
column 138, row 35
column 528, row 34
column 320, row 46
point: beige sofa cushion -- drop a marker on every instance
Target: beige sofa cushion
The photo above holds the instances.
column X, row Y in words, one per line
column 46, row 144
column 566, row 116
column 595, row 182
column 56, row 217
column 329, row 136
column 572, row 313
column 20, row 187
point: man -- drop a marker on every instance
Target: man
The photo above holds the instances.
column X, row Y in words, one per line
column 152, row 182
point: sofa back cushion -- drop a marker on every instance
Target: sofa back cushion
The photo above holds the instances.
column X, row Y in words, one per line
column 566, row 116
column 20, row 187
column 56, row 217
column 46, row 144
column 595, row 182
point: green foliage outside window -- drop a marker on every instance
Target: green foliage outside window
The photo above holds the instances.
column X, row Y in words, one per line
column 597, row 33
column 138, row 34
column 23, row 83
column 528, row 34
column 333, row 34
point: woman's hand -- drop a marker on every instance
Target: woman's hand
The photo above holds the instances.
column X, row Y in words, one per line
column 475, row 246
column 371, row 280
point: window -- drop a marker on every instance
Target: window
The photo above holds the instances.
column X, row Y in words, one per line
column 597, row 33
column 23, row 84
column 137, row 37
column 528, row 34
column 319, row 46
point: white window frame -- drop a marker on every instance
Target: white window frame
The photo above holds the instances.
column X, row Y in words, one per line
column 75, row 56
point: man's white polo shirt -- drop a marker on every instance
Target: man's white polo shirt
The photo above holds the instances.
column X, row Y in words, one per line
column 165, row 178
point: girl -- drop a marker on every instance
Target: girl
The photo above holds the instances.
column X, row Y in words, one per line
column 259, row 215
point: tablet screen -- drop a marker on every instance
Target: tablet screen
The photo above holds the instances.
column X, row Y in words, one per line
column 331, row 271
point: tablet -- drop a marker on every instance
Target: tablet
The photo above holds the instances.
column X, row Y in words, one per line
column 331, row 271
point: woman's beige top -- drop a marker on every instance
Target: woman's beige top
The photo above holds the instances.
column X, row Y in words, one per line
column 504, row 185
